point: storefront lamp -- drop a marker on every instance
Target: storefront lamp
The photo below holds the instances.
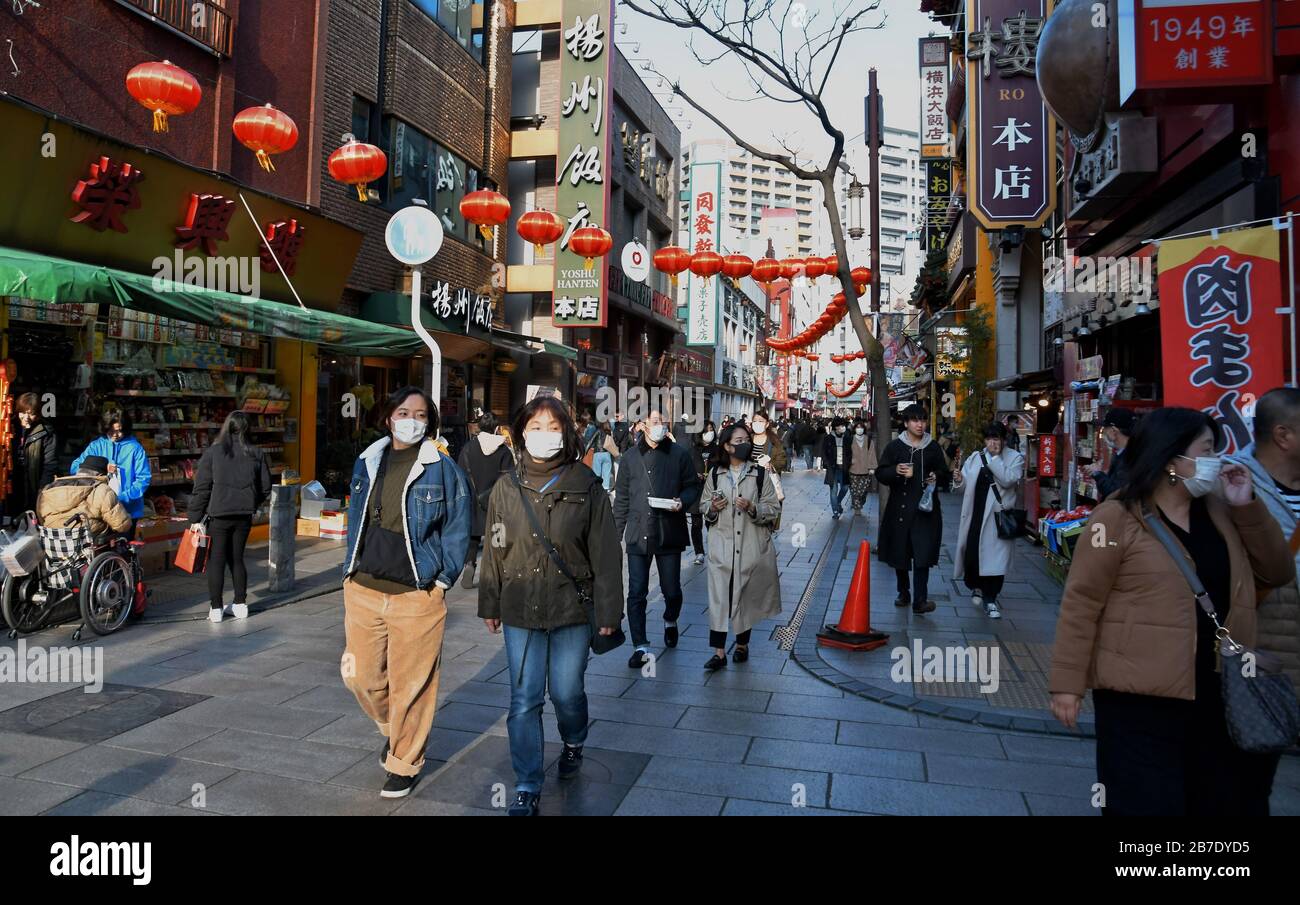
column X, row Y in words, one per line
column 1084, row 329
column 856, row 193
column 505, row 365
column 1142, row 308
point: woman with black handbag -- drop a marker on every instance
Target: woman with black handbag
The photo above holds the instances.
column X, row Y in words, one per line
column 991, row 479
column 552, row 579
column 1132, row 630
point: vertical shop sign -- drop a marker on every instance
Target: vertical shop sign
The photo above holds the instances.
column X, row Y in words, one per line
column 1011, row 151
column 705, row 229
column 934, row 96
column 1221, row 336
column 938, row 189
column 581, row 296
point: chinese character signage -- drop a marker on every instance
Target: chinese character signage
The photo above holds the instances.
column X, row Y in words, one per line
column 583, row 178
column 934, row 97
column 1194, row 44
column 1220, row 333
column 705, row 233
column 1011, row 150
column 938, row 189
column 457, row 309
column 1047, row 455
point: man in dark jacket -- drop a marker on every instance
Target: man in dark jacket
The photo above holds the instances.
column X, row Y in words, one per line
column 837, row 453
column 909, row 537
column 1117, row 427
column 807, row 435
column 657, row 468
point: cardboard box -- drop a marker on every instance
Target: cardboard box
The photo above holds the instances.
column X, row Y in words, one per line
column 155, row 529
column 334, row 533
column 333, row 521
column 154, row 559
column 308, row 527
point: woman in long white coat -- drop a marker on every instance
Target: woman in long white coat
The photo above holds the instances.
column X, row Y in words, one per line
column 744, row 587
column 983, row 558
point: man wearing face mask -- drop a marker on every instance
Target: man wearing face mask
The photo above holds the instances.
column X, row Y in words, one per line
column 837, row 454
column 656, row 484
column 409, row 520
column 1117, row 427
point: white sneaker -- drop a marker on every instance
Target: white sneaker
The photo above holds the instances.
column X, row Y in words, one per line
column 991, row 610
column 215, row 615
column 241, row 610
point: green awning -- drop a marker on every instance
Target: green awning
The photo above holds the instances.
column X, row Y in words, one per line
column 559, row 349
column 56, row 280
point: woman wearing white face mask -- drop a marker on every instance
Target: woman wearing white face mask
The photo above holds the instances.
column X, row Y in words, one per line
column 549, row 617
column 768, row 450
column 1130, row 627
column 409, row 520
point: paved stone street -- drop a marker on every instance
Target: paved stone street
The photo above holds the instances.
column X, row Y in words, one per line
column 251, row 717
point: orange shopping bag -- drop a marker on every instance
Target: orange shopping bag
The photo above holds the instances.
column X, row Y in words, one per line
column 192, row 555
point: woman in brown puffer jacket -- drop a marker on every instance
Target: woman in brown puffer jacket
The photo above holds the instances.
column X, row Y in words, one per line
column 1131, row 630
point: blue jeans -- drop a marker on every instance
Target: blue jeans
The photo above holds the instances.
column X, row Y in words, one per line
column 838, row 488
column 539, row 659
column 603, row 465
column 638, row 587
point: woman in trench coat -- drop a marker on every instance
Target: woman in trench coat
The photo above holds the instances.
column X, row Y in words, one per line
column 983, row 558
column 744, row 588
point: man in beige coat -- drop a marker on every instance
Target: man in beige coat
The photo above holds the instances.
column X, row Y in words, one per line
column 86, row 494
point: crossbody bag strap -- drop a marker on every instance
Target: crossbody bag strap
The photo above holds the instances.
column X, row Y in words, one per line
column 378, row 485
column 1162, row 534
column 541, row 535
column 993, row 481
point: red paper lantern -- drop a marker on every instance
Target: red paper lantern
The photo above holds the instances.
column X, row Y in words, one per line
column 541, row 227
column 591, row 242
column 706, row 263
column 672, row 260
column 265, row 131
column 813, row 356
column 485, row 209
column 737, row 267
column 791, row 267
column 838, row 301
column 766, row 270
column 164, row 88
column 861, row 278
column 358, row 163
column 832, row 265
column 814, row 267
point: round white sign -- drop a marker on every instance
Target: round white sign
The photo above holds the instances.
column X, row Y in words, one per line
column 636, row 261
column 413, row 235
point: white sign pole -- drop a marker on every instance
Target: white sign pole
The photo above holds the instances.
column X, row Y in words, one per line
column 413, row 236
column 435, row 350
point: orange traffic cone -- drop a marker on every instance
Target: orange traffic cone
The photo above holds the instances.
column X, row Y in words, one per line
column 853, row 631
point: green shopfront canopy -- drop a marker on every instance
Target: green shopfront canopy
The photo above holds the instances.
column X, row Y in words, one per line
column 56, row 280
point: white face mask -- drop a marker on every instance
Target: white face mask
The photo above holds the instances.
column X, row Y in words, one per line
column 409, row 430
column 859, row 431
column 708, row 436
column 543, row 444
column 1206, row 477
column 658, row 432
column 760, row 427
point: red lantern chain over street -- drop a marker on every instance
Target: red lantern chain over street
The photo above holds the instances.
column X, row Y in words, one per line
column 485, row 209
column 706, row 263
column 541, row 228
column 164, row 88
column 357, row 164
column 672, row 260
column 265, row 131
column 766, row 270
column 737, row 267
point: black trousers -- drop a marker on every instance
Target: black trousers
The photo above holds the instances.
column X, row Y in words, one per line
column 697, row 532
column 1166, row 757
column 920, row 590
column 471, row 555
column 227, row 536
column 989, row 586
column 718, row 640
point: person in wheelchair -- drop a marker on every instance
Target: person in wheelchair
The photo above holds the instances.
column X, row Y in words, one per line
column 87, row 494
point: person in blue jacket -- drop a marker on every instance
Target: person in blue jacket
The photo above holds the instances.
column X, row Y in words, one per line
column 409, row 521
column 128, row 463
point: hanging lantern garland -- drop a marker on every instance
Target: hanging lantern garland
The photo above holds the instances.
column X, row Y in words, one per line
column 737, row 267
column 358, row 164
column 591, row 242
column 486, row 209
column 849, row 390
column 813, row 268
column 672, row 260
column 540, row 227
column 792, row 267
column 164, row 88
column 265, row 131
column 766, row 270
column 706, row 263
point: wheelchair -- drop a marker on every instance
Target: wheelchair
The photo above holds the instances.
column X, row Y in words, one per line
column 97, row 581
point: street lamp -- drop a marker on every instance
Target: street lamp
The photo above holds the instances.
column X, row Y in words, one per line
column 856, row 193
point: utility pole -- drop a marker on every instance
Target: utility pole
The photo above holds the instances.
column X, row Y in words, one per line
column 875, row 135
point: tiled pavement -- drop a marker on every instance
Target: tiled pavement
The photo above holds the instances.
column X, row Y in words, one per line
column 250, row 717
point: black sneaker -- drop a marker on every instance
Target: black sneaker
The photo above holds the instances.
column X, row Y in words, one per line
column 637, row 660
column 570, row 761
column 526, row 804
column 670, row 635
column 903, row 600
column 397, row 786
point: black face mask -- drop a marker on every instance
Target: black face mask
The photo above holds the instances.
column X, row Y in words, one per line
column 744, row 451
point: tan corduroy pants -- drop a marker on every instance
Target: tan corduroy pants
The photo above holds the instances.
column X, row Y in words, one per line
column 391, row 663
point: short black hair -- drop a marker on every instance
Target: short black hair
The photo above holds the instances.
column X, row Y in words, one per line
column 572, row 449
column 116, row 416
column 913, row 412
column 487, row 422
column 1279, row 407
column 1161, row 436
column 395, row 400
column 1121, row 419
column 995, row 430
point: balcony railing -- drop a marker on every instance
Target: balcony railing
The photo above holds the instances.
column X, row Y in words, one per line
column 204, row 22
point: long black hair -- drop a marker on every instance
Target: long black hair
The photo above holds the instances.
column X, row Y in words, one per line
column 395, row 400
column 1159, row 437
column 722, row 458
column 234, row 435
column 572, row 449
